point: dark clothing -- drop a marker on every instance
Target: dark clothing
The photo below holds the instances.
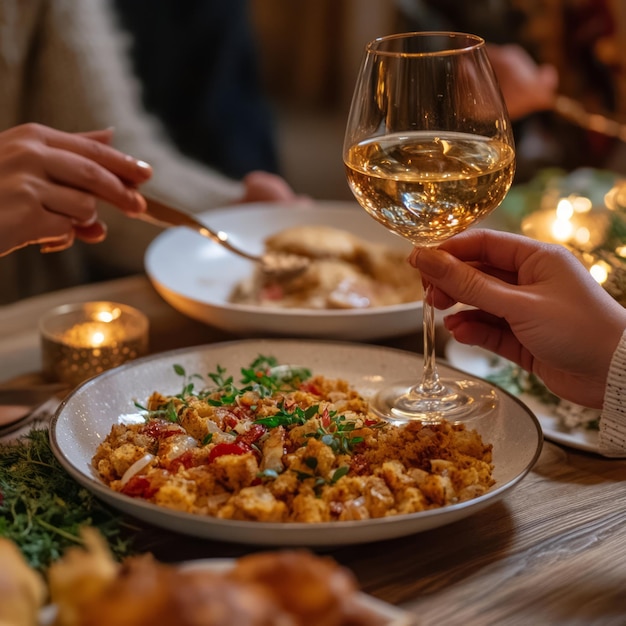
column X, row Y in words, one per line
column 197, row 61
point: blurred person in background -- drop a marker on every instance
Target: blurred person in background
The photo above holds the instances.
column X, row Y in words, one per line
column 570, row 37
column 198, row 62
column 64, row 64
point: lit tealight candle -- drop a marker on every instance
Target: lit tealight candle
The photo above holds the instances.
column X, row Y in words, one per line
column 85, row 339
column 571, row 222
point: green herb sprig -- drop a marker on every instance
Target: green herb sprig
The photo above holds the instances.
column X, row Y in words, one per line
column 515, row 380
column 42, row 507
column 263, row 376
column 285, row 417
column 339, row 435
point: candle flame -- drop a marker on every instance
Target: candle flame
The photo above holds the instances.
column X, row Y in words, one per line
column 107, row 315
column 97, row 338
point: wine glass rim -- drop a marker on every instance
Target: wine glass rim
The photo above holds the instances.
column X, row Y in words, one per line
column 476, row 42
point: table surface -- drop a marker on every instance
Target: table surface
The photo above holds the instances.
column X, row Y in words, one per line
column 552, row 551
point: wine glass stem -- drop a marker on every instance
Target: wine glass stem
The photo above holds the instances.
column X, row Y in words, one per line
column 430, row 384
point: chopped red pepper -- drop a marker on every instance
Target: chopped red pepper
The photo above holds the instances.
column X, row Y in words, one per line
column 161, row 430
column 139, row 487
column 311, row 388
column 253, row 434
column 186, row 459
column 230, row 420
column 325, row 418
column 222, row 449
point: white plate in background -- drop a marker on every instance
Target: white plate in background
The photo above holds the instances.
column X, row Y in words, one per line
column 196, row 275
column 482, row 363
column 86, row 416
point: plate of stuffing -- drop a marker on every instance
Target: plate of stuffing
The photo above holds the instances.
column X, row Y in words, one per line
column 562, row 421
column 359, row 285
column 272, row 442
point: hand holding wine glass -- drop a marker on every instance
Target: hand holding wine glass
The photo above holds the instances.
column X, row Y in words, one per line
column 428, row 152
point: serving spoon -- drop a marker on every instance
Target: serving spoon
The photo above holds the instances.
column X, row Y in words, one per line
column 275, row 265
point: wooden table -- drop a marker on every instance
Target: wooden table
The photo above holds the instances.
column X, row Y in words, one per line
column 553, row 551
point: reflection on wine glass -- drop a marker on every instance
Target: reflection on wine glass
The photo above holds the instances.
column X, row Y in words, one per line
column 428, row 152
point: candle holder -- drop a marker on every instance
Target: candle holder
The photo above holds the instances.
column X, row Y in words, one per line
column 81, row 340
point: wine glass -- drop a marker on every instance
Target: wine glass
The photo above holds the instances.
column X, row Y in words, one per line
column 428, row 152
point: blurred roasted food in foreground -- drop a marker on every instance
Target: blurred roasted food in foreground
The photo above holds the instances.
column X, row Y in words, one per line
column 22, row 589
column 347, row 272
column 280, row 588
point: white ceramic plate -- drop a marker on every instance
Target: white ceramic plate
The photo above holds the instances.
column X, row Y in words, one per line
column 196, row 275
column 482, row 363
column 86, row 416
column 392, row 615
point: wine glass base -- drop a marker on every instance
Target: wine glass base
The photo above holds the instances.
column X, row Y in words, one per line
column 455, row 401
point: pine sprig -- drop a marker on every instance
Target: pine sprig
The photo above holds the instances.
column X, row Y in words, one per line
column 42, row 507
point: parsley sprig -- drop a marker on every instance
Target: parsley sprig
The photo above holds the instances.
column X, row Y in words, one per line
column 320, row 481
column 263, row 376
column 285, row 417
column 42, row 507
column 338, row 435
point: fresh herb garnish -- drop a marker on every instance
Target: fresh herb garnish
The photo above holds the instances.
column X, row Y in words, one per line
column 320, row 481
column 167, row 412
column 42, row 507
column 311, row 462
column 264, row 376
column 337, row 435
column 515, row 380
column 338, row 473
column 285, row 417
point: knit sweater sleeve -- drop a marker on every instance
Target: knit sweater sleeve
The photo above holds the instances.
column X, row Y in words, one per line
column 613, row 417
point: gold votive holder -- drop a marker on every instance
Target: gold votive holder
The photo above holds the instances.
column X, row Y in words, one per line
column 81, row 340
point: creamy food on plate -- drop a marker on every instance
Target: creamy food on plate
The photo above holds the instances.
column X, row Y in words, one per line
column 283, row 445
column 346, row 272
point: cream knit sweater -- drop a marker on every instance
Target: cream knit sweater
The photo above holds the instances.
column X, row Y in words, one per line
column 613, row 418
column 63, row 63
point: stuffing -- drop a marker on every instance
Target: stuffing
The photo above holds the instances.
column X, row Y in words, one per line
column 289, row 448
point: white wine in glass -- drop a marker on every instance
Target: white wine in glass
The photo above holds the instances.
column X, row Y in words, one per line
column 428, row 152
